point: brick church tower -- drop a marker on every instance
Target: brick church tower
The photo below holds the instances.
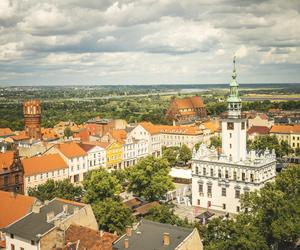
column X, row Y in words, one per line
column 32, row 118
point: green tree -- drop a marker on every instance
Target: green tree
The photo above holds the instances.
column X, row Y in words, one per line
column 51, row 189
column 99, row 185
column 271, row 142
column 165, row 214
column 68, row 132
column 276, row 208
column 232, row 235
column 215, row 141
column 185, row 154
column 112, row 215
column 171, row 154
column 150, row 178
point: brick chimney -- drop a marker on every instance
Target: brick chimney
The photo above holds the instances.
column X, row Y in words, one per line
column 128, row 231
column 126, row 243
column 166, row 239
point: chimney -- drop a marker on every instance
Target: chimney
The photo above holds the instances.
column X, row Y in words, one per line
column 36, row 208
column 126, row 243
column 166, row 239
column 50, row 216
column 65, row 209
column 128, row 231
column 101, row 233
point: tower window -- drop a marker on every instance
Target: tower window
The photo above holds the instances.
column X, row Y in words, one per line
column 230, row 145
column 243, row 125
column 243, row 176
column 224, row 192
column 230, row 125
column 237, row 193
column 201, row 188
column 230, row 135
column 224, row 206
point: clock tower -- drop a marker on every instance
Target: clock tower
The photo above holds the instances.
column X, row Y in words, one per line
column 234, row 143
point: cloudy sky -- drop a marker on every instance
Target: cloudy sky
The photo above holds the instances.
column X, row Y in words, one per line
column 148, row 41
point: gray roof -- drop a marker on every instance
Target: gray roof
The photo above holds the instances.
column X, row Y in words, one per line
column 149, row 236
column 35, row 224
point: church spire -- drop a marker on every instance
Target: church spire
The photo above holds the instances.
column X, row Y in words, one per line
column 234, row 101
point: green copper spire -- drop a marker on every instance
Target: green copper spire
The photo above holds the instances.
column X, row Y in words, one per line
column 234, row 100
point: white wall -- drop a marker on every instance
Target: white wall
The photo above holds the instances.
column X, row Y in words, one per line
column 19, row 242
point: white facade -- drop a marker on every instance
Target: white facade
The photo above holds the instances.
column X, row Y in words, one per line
column 17, row 243
column 217, row 182
column 96, row 158
column 177, row 139
column 78, row 166
column 31, row 181
column 153, row 140
column 234, row 139
column 133, row 150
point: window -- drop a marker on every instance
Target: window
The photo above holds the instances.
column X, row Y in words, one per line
column 209, row 191
column 243, row 125
column 219, row 173
column 230, row 135
column 226, row 174
column 230, row 145
column 224, row 192
column 6, row 180
column 12, row 246
column 197, row 170
column 237, row 193
column 12, row 236
column 198, row 202
column 251, row 178
column 234, row 175
column 224, row 206
column 32, row 242
column 21, row 248
column 204, row 171
column 230, row 125
column 243, row 176
column 211, row 172
column 201, row 188
column 16, row 179
column 237, row 209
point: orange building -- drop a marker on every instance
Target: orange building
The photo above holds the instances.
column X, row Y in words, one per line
column 32, row 118
column 186, row 110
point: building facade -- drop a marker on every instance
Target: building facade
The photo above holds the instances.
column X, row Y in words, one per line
column 219, row 179
column 114, row 155
column 186, row 110
column 39, row 169
column 11, row 172
column 32, row 118
column 288, row 133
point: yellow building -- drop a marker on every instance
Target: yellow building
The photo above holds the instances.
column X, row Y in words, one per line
column 114, row 155
column 288, row 133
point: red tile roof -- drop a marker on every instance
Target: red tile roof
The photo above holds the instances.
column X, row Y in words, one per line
column 5, row 132
column 263, row 116
column 285, row 129
column 88, row 238
column 119, row 134
column 6, row 159
column 167, row 129
column 144, row 209
column 71, row 149
column 189, row 102
column 43, row 164
column 13, row 207
column 261, row 130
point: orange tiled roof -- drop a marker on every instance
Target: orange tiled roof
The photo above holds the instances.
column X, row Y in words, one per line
column 71, row 149
column 190, row 102
column 167, row 129
column 89, row 238
column 261, row 130
column 5, row 131
column 98, row 143
column 13, row 207
column 6, row 159
column 42, row 164
column 119, row 134
column 285, row 129
column 21, row 136
column 263, row 116
column 214, row 126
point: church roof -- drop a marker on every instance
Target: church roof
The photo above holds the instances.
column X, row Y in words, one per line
column 189, row 102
